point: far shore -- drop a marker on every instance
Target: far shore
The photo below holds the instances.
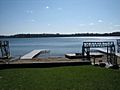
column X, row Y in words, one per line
column 61, row 35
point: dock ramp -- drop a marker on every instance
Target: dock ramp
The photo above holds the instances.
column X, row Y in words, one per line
column 33, row 53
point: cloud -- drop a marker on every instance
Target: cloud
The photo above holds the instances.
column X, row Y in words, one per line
column 49, row 24
column 59, row 8
column 29, row 11
column 33, row 20
column 91, row 24
column 117, row 25
column 100, row 21
column 47, row 7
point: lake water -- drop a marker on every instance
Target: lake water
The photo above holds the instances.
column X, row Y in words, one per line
column 58, row 46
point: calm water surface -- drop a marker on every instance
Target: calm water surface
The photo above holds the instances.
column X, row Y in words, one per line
column 58, row 46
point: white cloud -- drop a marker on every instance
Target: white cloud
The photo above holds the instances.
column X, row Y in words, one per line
column 49, row 24
column 117, row 25
column 100, row 21
column 47, row 7
column 91, row 24
column 59, row 8
column 29, row 11
column 33, row 20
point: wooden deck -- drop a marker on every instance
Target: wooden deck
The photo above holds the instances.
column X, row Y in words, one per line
column 33, row 53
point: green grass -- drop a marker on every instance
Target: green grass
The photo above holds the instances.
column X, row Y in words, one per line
column 60, row 78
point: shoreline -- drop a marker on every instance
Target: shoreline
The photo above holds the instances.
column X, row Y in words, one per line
column 60, row 35
column 51, row 59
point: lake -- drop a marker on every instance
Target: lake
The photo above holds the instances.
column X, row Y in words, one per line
column 58, row 46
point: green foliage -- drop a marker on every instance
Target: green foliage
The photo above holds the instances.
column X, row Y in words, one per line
column 60, row 78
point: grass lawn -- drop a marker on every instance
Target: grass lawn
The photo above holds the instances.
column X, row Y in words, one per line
column 60, row 78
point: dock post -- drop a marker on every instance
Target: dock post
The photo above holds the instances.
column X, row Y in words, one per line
column 5, row 51
column 118, row 45
column 107, row 54
column 83, row 52
column 86, row 51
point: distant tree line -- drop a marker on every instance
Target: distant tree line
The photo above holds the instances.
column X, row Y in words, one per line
column 60, row 35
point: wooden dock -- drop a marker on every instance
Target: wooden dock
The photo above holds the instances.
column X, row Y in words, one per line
column 33, row 54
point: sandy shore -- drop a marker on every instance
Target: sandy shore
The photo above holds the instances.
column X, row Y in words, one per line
column 49, row 59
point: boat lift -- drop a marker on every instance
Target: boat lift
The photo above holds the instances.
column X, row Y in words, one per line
column 111, row 57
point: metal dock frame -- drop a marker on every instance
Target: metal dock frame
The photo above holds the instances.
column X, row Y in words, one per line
column 111, row 57
column 118, row 45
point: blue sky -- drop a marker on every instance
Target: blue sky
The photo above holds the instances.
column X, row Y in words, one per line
column 59, row 16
